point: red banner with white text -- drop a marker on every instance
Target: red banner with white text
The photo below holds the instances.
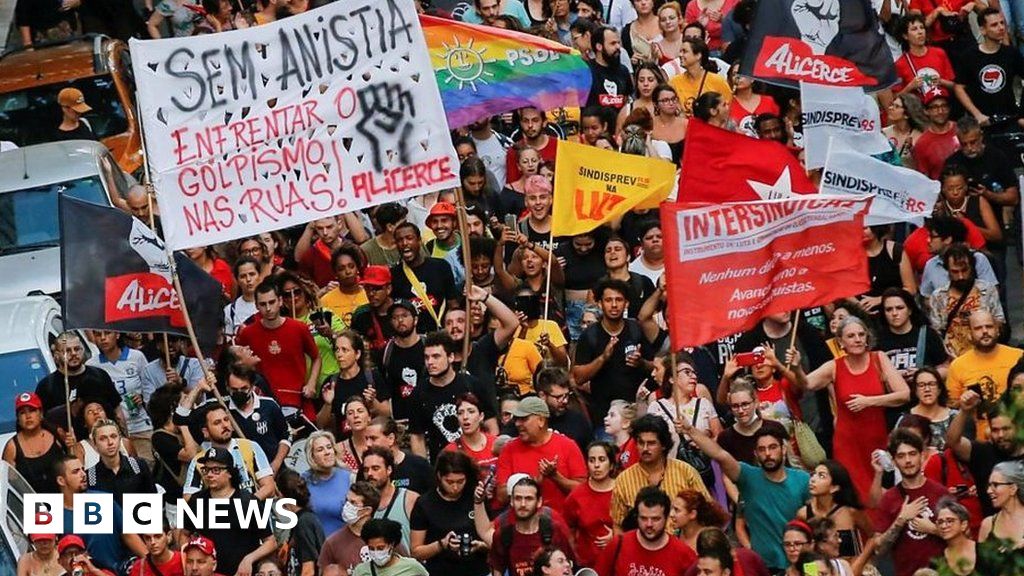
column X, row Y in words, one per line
column 728, row 266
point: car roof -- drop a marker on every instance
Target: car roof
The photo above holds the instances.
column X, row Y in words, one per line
column 62, row 62
column 22, row 320
column 42, row 164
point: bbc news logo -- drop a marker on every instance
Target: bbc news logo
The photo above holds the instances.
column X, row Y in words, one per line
column 94, row 513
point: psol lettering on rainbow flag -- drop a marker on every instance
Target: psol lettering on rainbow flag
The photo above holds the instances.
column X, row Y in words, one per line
column 326, row 112
column 483, row 71
column 593, row 186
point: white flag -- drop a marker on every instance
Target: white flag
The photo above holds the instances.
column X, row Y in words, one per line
column 843, row 114
column 901, row 194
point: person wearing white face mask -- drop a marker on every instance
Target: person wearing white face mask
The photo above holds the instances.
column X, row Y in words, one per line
column 383, row 538
column 344, row 550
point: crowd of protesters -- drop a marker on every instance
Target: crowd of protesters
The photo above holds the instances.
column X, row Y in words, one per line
column 878, row 434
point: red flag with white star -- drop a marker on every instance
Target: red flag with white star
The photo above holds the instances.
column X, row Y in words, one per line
column 723, row 166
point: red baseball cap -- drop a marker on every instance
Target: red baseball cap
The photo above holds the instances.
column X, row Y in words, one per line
column 441, row 209
column 69, row 541
column 38, row 537
column 28, row 399
column 205, row 545
column 376, row 276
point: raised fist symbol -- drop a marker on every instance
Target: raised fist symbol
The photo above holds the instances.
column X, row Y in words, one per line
column 387, row 110
column 818, row 21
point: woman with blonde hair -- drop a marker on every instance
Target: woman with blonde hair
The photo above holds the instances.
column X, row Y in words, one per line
column 326, row 480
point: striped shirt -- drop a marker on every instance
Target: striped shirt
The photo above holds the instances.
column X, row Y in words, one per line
column 678, row 476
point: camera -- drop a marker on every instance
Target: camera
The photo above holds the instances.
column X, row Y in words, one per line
column 465, row 545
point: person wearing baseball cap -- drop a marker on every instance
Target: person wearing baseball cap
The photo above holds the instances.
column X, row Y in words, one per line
column 541, row 452
column 239, row 548
column 37, row 469
column 72, row 107
column 42, row 557
column 72, row 553
column 200, row 557
column 371, row 319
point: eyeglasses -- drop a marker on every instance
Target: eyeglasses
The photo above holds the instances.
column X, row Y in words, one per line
column 294, row 292
column 208, row 470
column 946, row 521
column 741, row 405
column 688, row 372
column 928, row 384
column 998, row 484
column 668, row 100
column 795, row 544
column 560, row 397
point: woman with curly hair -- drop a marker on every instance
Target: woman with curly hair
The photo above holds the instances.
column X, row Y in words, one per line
column 833, row 497
column 692, row 512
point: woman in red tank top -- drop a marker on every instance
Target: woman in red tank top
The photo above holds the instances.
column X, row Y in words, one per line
column 862, row 384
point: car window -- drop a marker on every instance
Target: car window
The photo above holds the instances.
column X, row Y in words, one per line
column 30, row 215
column 29, row 116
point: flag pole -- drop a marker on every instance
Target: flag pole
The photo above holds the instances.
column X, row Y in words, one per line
column 152, row 225
column 67, row 385
column 796, row 322
column 207, row 376
column 547, row 282
column 467, row 266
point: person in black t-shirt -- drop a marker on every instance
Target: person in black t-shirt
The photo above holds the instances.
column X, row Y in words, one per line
column 307, row 536
column 433, row 422
column 611, row 82
column 612, row 356
column 237, row 548
column 900, row 336
column 87, row 383
column 616, row 261
column 554, row 388
column 371, row 320
column 436, row 289
column 402, row 358
column 582, row 262
column 985, row 73
column 410, row 471
column 72, row 108
column 354, row 378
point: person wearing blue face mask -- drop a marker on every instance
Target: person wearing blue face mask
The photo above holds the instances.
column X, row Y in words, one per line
column 383, row 538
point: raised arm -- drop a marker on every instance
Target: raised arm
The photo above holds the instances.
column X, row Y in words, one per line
column 817, row 379
column 730, row 466
column 955, row 440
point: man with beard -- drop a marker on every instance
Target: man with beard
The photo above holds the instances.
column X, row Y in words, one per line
column 487, row 12
column 951, row 306
column 533, row 128
column 395, row 503
column 487, row 342
column 183, row 371
column 943, row 232
column 427, row 282
column 981, row 457
column 239, row 547
column 492, row 147
column 314, row 257
column 371, row 319
column 287, row 348
column 612, row 356
column 653, row 442
column 526, row 527
column 345, row 293
column 984, row 368
column 939, row 139
column 770, row 494
column 650, row 548
column 542, row 453
column 85, row 383
column 409, row 470
column 402, row 358
column 441, row 221
column 905, row 511
column 432, row 420
column 611, row 82
column 254, row 471
column 554, row 388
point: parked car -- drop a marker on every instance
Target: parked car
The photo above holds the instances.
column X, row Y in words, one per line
column 30, row 180
column 13, row 541
column 100, row 67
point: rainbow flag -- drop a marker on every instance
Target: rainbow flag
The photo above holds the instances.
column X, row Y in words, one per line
column 484, row 71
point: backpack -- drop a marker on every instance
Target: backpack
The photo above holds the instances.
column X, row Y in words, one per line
column 508, row 529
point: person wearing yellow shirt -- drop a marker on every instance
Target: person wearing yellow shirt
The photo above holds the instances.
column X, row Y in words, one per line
column 534, row 337
column 345, row 294
column 984, row 368
column 698, row 75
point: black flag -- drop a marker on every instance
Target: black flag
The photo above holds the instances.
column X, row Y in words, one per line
column 835, row 42
column 116, row 276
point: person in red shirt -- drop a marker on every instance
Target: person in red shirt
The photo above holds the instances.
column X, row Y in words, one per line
column 284, row 345
column 206, row 258
column 528, row 526
column 649, row 549
column 922, row 68
column 161, row 560
column 588, row 507
column 906, row 510
column 533, row 127
column 541, row 453
column 939, row 140
column 746, row 103
column 320, row 239
column 72, row 556
column 947, row 19
column 475, row 442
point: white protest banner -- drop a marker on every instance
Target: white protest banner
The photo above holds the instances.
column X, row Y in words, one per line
column 327, row 112
column 901, row 194
column 837, row 113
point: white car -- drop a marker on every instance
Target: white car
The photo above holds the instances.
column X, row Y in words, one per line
column 27, row 327
column 13, row 542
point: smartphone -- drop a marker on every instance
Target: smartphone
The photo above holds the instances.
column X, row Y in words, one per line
column 976, row 388
column 510, row 221
column 752, row 358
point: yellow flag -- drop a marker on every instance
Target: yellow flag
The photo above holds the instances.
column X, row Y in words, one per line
column 594, row 186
